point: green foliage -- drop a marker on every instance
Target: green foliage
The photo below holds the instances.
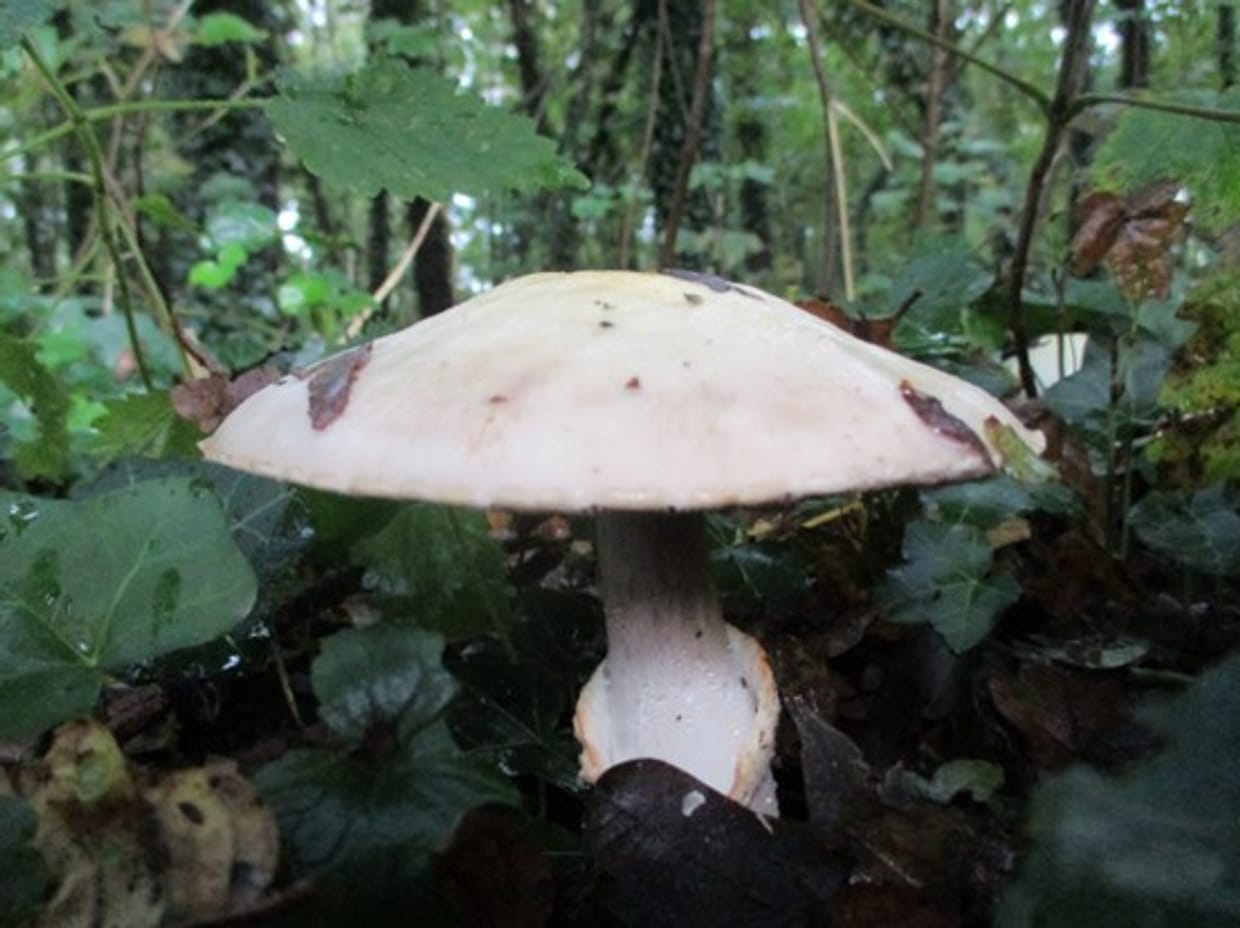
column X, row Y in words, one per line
column 18, row 17
column 23, row 373
column 222, row 28
column 1203, row 388
column 945, row 581
column 986, row 503
column 404, row 784
column 413, row 133
column 143, row 423
column 89, row 587
column 439, row 568
column 1159, row 846
column 1148, row 146
column 1201, row 530
column 25, row 877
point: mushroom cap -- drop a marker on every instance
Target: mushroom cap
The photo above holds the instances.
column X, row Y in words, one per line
column 616, row 389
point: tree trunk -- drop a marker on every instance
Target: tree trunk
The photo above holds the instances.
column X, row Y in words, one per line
column 1134, row 34
column 932, row 113
column 1225, row 37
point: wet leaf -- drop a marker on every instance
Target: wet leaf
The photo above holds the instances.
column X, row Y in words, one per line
column 382, row 675
column 946, row 582
column 163, row 574
column 442, row 569
column 681, row 854
column 1159, row 846
column 1201, row 530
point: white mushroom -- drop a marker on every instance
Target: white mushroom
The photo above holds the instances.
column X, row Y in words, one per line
column 645, row 398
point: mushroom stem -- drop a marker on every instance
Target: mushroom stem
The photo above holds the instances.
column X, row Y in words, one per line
column 679, row 683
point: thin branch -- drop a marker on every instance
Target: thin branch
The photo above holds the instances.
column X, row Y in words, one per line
column 89, row 141
column 384, row 290
column 1028, row 89
column 693, row 133
column 1075, row 56
column 834, row 152
column 1086, row 100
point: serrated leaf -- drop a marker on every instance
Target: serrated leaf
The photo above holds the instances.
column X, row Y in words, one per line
column 19, row 16
column 1199, row 530
column 1159, row 846
column 442, row 568
column 413, row 133
column 384, row 674
column 945, row 581
column 1147, row 146
column 23, row 373
column 143, row 424
column 90, row 587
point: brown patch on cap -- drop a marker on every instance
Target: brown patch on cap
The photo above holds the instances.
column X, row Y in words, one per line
column 633, row 383
column 929, row 409
column 329, row 383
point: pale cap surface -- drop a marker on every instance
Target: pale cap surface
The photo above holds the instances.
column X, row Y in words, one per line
column 616, row 389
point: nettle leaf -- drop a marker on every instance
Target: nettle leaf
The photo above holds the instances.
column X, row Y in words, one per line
column 1147, row 146
column 945, row 581
column 442, row 569
column 402, row 793
column 23, row 373
column 89, row 587
column 1199, row 530
column 1158, row 846
column 143, row 424
column 414, row 133
column 378, row 675
column 18, row 17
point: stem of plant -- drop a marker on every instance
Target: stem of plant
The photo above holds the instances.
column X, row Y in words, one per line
column 90, row 142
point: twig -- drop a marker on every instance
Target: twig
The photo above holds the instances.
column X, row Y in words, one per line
column 384, row 290
column 1075, row 52
column 693, row 133
column 834, row 152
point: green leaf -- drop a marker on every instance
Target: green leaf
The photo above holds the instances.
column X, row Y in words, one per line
column 160, row 209
column 18, row 17
column 87, row 588
column 403, row 795
column 23, row 889
column 1199, row 530
column 986, row 503
column 945, row 582
column 1158, row 846
column 442, row 569
column 980, row 779
column 23, row 373
column 1148, row 146
column 143, row 424
column 413, row 133
column 221, row 28
column 243, row 226
column 514, row 708
column 382, row 674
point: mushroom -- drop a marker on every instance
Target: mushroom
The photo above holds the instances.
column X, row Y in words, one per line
column 646, row 399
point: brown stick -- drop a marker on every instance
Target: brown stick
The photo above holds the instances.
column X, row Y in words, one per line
column 693, row 133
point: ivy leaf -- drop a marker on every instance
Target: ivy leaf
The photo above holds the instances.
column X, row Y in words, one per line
column 945, row 582
column 412, row 132
column 403, row 794
column 23, row 373
column 89, row 587
column 441, row 568
column 1159, row 846
column 18, row 17
column 385, row 673
column 1199, row 530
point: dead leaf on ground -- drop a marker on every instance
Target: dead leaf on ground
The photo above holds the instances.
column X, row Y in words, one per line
column 207, row 400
